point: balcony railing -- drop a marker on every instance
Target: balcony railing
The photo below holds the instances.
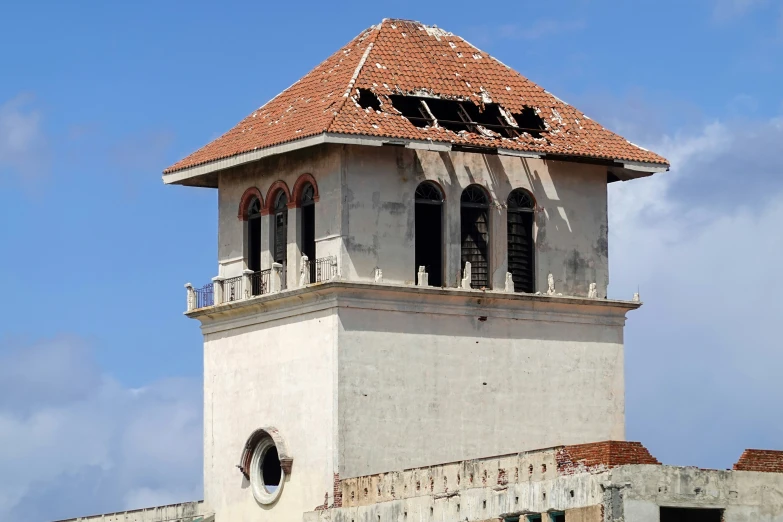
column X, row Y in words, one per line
column 232, row 289
column 249, row 284
column 320, row 270
column 205, row 296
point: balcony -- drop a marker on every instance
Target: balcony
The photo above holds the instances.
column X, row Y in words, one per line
column 253, row 284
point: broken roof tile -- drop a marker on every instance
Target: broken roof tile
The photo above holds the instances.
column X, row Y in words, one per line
column 402, row 57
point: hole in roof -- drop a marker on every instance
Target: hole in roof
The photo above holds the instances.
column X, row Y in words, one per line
column 412, row 109
column 530, row 122
column 461, row 116
column 368, row 100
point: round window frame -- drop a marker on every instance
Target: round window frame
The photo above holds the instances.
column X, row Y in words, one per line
column 256, row 473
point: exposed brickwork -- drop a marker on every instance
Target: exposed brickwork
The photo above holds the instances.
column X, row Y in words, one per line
column 769, row 461
column 244, row 202
column 338, row 491
column 402, row 57
column 502, row 478
column 299, row 186
column 598, row 456
column 271, row 194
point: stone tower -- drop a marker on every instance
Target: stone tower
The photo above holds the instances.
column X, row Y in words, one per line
column 412, row 270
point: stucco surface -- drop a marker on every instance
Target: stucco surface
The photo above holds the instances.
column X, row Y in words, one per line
column 279, row 374
column 570, row 224
column 421, row 387
column 366, row 213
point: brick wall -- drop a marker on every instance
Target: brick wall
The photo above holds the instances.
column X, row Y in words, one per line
column 760, row 460
column 601, row 455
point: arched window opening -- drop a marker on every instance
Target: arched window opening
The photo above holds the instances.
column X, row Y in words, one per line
column 428, row 215
column 254, row 235
column 521, row 249
column 307, row 204
column 474, row 219
column 280, row 208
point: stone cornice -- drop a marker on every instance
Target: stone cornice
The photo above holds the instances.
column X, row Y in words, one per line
column 413, row 299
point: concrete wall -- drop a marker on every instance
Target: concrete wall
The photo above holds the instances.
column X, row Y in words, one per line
column 365, row 216
column 323, row 163
column 571, row 221
column 185, row 512
column 269, row 371
column 427, row 379
column 745, row 496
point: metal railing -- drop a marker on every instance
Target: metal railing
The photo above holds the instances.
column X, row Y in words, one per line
column 322, row 269
column 205, row 296
column 259, row 282
column 232, row 289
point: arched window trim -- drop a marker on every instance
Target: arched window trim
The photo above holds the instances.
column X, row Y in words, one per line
column 475, row 196
column 299, row 187
column 271, row 196
column 246, row 199
column 523, row 201
column 424, row 196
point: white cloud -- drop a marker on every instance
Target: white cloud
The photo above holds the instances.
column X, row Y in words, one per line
column 703, row 243
column 22, row 144
column 75, row 442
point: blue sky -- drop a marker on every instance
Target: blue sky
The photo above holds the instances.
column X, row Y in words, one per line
column 99, row 367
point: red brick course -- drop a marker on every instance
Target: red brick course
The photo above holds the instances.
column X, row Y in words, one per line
column 769, row 461
column 601, row 455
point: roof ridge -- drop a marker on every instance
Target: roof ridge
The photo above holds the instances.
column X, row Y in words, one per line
column 356, row 73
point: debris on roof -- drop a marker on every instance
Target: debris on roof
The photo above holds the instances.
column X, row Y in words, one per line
column 403, row 80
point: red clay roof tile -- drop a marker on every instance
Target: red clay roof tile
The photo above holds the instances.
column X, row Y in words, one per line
column 406, row 57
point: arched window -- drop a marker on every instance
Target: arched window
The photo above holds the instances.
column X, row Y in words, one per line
column 474, row 222
column 307, row 204
column 521, row 249
column 428, row 229
column 253, row 226
column 280, row 224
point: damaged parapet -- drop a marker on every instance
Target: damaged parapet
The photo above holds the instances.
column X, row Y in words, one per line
column 184, row 512
column 609, row 481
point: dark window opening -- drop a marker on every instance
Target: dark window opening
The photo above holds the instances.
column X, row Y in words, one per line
column 529, row 121
column 307, row 203
column 254, row 235
column 474, row 224
column 428, row 229
column 533, row 518
column 368, row 100
column 270, row 467
column 281, row 228
column 557, row 516
column 671, row 514
column 412, row 109
column 521, row 249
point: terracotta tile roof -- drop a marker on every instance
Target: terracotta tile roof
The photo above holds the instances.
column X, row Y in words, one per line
column 400, row 57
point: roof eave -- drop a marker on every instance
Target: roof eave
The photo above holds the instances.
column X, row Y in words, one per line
column 203, row 175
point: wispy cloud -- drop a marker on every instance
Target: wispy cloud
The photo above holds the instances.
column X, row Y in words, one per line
column 75, row 442
column 22, row 142
column 726, row 9
column 702, row 242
